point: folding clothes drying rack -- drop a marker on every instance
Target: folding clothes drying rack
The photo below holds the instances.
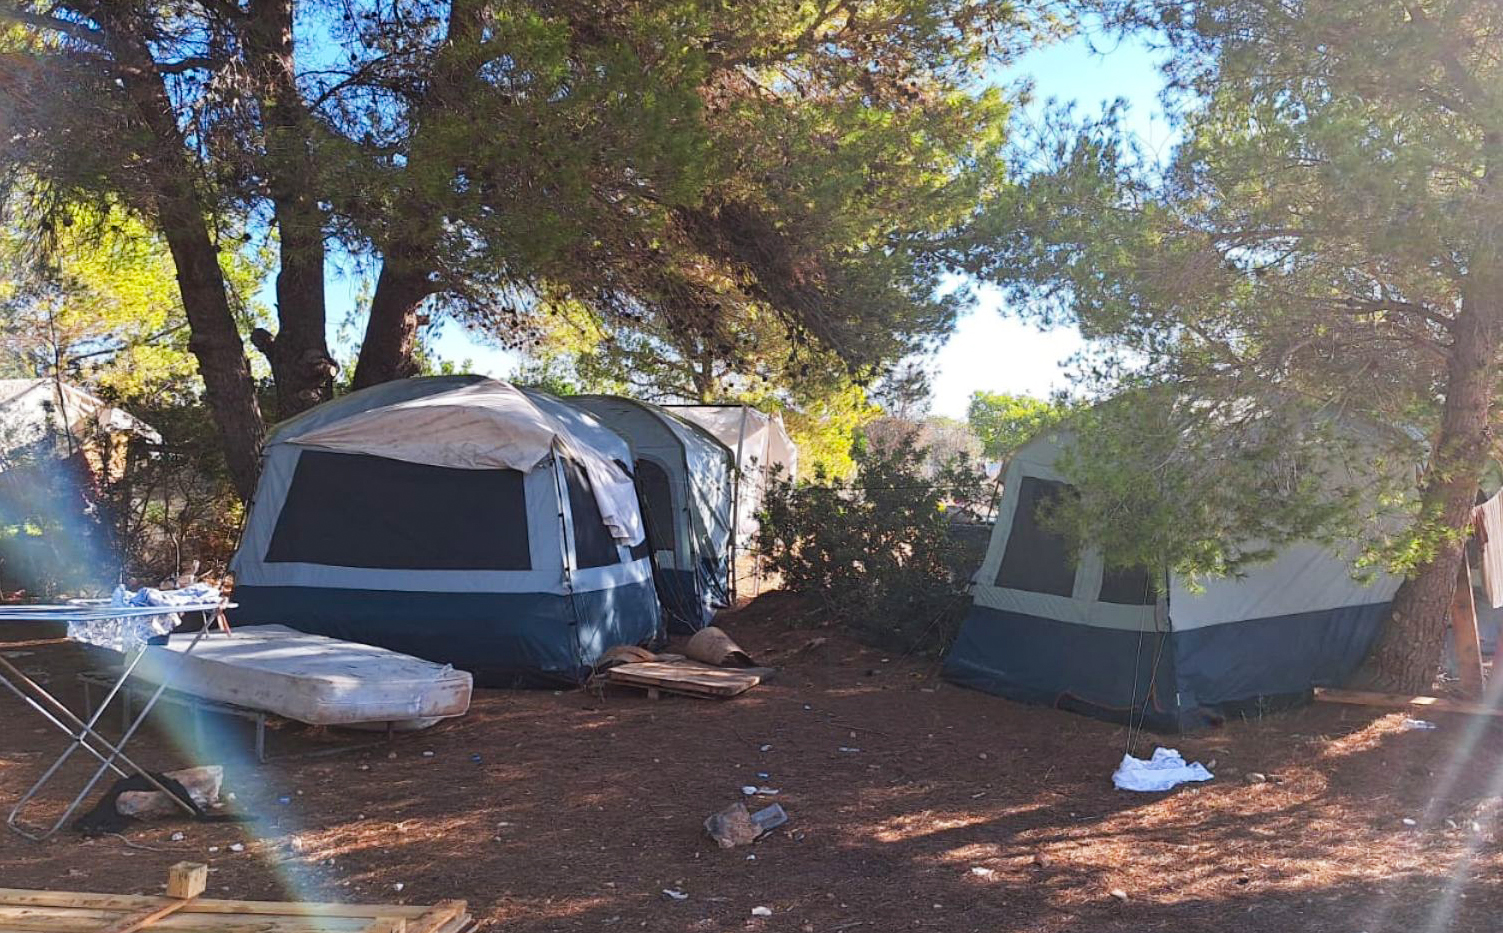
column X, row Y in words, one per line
column 81, row 733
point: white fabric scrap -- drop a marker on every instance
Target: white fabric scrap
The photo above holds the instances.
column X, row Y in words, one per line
column 1164, row 771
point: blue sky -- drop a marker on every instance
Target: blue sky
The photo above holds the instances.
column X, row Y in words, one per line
column 990, row 349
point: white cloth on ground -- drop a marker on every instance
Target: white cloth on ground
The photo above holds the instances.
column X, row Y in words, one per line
column 129, row 634
column 1164, row 771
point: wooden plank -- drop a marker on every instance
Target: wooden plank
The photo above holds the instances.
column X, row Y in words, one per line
column 697, row 679
column 187, row 879
column 438, row 916
column 1400, row 700
column 1464, row 633
column 55, row 920
column 130, row 923
column 22, row 897
column 386, row 925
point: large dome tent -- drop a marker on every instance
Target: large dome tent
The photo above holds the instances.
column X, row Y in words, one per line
column 453, row 518
column 686, row 478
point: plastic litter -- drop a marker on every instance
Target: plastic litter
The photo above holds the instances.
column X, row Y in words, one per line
column 735, row 825
column 1164, row 771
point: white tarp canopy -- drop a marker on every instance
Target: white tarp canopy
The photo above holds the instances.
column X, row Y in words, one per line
column 31, row 409
column 761, row 445
column 487, row 425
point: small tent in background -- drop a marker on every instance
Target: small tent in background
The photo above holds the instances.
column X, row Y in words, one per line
column 453, row 518
column 1047, row 628
column 57, row 419
column 761, row 446
column 686, row 480
column 63, row 454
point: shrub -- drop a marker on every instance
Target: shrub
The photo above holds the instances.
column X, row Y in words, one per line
column 885, row 553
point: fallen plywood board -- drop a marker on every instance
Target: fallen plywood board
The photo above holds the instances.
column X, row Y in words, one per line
column 689, row 678
column 70, row 912
column 1404, row 700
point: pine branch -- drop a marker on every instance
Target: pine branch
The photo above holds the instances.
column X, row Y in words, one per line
column 74, row 30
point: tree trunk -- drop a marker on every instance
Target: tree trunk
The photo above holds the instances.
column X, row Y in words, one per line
column 181, row 216
column 1407, row 654
column 391, row 332
column 299, row 352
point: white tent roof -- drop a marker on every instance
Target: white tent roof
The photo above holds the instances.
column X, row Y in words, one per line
column 31, row 408
column 757, row 437
column 485, row 425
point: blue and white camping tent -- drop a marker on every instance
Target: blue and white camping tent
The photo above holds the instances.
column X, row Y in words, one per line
column 686, row 479
column 1046, row 627
column 453, row 518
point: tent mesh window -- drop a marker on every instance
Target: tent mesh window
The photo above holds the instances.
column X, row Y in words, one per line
column 357, row 510
column 1128, row 587
column 657, row 495
column 593, row 544
column 1036, row 559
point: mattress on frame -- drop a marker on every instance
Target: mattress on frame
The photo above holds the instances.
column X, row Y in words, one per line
column 309, row 678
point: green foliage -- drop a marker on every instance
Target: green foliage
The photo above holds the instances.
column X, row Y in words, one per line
column 1005, row 422
column 1314, row 252
column 1163, row 482
column 822, row 409
column 98, row 301
column 98, row 304
column 887, row 554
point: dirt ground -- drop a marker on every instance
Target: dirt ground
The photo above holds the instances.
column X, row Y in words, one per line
column 914, row 805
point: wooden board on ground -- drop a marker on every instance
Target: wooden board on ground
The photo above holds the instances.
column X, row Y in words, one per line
column 1405, row 701
column 72, row 912
column 689, row 678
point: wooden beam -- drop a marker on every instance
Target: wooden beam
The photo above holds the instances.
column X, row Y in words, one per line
column 1401, row 700
column 23, row 897
column 386, row 925
column 130, row 923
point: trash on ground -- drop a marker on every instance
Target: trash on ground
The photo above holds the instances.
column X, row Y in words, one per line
column 711, row 645
column 848, row 749
column 1411, row 725
column 1408, row 821
column 753, row 791
column 202, row 783
column 1256, row 777
column 761, row 911
column 1164, row 771
column 676, row 894
column 1119, row 894
column 735, row 825
column 623, row 654
column 983, row 872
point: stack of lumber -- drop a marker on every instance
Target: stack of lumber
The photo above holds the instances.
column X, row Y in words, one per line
column 183, row 911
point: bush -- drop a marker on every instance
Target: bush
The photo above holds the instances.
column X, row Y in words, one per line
column 886, row 553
